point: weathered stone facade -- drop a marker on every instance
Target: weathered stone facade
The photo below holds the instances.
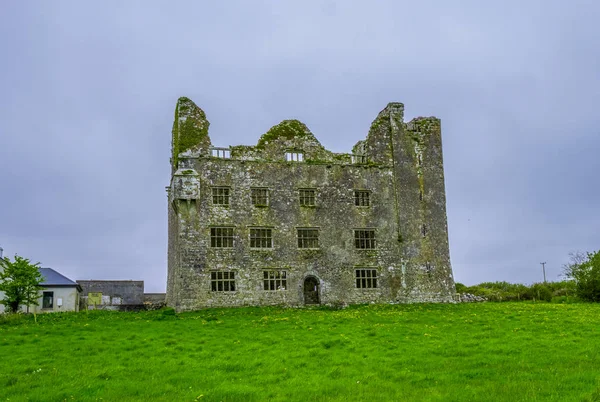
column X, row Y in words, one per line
column 114, row 293
column 287, row 222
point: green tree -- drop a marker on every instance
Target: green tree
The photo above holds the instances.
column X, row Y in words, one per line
column 576, row 258
column 585, row 271
column 19, row 280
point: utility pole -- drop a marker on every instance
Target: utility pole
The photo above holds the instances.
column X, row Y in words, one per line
column 543, row 264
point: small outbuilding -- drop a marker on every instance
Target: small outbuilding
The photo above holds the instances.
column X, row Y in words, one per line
column 57, row 293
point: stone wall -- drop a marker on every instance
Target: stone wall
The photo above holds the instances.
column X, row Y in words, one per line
column 114, row 293
column 154, row 297
column 399, row 165
column 154, row 301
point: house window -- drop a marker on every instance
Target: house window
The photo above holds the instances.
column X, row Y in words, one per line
column 221, row 237
column 366, row 278
column 358, row 159
column 275, row 280
column 294, row 156
column 220, row 195
column 48, row 300
column 362, row 198
column 306, row 197
column 308, row 238
column 222, row 281
column 224, row 153
column 261, row 238
column 260, row 197
column 364, row 239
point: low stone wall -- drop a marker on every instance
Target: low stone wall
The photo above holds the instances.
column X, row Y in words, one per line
column 470, row 298
column 115, row 292
column 150, row 301
column 155, row 301
column 120, row 307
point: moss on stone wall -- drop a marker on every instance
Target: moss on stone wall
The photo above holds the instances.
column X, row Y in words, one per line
column 286, row 130
column 241, row 149
column 190, row 128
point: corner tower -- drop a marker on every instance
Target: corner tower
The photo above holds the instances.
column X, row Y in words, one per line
column 414, row 151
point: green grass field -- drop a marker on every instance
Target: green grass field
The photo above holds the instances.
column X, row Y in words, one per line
column 464, row 352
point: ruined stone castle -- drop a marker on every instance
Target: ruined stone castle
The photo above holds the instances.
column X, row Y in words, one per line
column 287, row 222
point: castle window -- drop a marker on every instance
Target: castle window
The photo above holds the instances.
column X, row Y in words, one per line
column 306, row 197
column 260, row 197
column 222, row 281
column 308, row 238
column 362, row 198
column 424, row 230
column 294, row 156
column 364, row 239
column 261, row 238
column 224, row 153
column 358, row 159
column 274, row 280
column 220, row 195
column 366, row 278
column 221, row 237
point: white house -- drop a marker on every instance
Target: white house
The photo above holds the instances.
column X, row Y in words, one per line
column 57, row 293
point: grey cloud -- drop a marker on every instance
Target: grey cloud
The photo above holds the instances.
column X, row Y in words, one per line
column 88, row 91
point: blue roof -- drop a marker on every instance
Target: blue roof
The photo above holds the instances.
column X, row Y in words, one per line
column 53, row 278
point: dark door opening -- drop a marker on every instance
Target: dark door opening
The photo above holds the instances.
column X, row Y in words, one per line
column 311, row 290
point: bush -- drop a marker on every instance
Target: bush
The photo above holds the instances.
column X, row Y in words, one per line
column 563, row 288
column 541, row 291
column 505, row 291
column 460, row 288
column 585, row 271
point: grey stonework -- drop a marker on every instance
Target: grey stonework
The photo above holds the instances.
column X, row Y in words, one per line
column 154, row 301
column 126, row 292
column 399, row 165
column 470, row 298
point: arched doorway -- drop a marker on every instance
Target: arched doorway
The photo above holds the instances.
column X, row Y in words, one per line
column 311, row 290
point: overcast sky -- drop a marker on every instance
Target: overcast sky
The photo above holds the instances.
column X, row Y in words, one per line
column 88, row 90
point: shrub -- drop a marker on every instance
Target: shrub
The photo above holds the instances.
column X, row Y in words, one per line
column 541, row 291
column 585, row 271
column 505, row 291
column 460, row 288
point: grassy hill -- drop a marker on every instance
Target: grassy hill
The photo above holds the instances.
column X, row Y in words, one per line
column 477, row 352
